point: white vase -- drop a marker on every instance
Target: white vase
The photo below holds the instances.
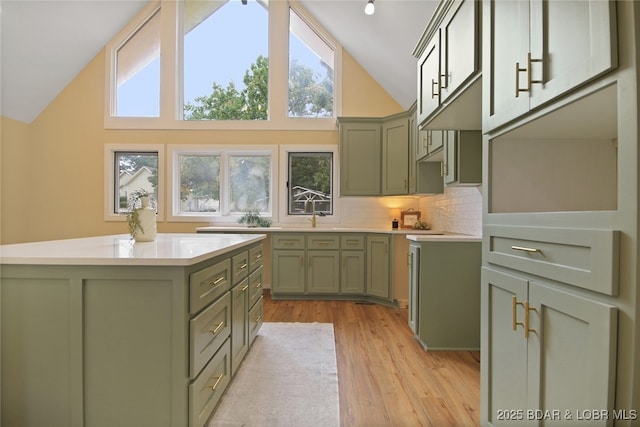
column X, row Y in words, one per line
column 147, row 218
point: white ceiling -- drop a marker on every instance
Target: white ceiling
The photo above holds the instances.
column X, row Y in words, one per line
column 44, row 44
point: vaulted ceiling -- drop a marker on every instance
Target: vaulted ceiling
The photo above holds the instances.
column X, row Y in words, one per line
column 44, row 44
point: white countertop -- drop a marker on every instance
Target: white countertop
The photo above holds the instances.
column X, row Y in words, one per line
column 167, row 250
column 444, row 238
column 309, row 229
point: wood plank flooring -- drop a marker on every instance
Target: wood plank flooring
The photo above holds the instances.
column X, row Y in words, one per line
column 385, row 376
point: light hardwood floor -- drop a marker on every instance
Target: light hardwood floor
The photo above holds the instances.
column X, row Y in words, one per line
column 385, row 377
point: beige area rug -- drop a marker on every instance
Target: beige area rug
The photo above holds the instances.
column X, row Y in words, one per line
column 288, row 378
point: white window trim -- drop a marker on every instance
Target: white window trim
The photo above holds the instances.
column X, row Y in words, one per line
column 223, row 217
column 284, row 217
column 110, row 151
column 171, row 66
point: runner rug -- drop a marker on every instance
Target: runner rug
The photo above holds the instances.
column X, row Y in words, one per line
column 288, row 378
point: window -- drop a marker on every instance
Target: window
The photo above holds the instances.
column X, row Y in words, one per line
column 226, row 68
column 138, row 72
column 219, row 64
column 135, row 171
column 310, row 183
column 131, row 167
column 311, row 70
column 222, row 182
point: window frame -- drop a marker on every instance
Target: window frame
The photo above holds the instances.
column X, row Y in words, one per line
column 225, row 151
column 171, row 97
column 110, row 151
column 283, row 209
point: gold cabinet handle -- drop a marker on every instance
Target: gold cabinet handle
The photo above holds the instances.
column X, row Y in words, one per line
column 514, row 313
column 258, row 256
column 243, row 266
column 528, row 310
column 217, row 328
column 527, row 69
column 259, row 318
column 446, row 81
column 525, row 249
column 258, row 285
column 217, row 281
column 214, row 385
column 434, row 83
column 244, row 288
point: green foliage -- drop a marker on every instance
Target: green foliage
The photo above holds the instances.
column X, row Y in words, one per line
column 200, row 177
column 133, row 206
column 312, row 170
column 309, row 95
column 253, row 219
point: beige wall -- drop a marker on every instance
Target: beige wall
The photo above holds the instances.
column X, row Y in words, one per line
column 53, row 169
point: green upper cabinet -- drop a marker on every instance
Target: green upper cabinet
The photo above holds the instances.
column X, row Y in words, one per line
column 360, row 156
column 395, row 156
column 535, row 56
column 449, row 88
column 463, row 158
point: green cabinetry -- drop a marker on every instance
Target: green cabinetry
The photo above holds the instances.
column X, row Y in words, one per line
column 360, row 157
column 332, row 266
column 119, row 345
column 444, row 294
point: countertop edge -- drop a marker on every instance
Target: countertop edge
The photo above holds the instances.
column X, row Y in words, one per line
column 444, row 238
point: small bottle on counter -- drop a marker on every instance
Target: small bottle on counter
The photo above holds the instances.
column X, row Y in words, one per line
column 394, row 224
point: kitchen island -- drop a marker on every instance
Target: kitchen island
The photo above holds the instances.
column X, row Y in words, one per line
column 102, row 331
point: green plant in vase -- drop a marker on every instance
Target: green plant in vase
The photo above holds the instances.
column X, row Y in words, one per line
column 138, row 201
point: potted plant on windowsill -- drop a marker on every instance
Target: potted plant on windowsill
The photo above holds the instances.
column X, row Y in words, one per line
column 141, row 217
column 253, row 219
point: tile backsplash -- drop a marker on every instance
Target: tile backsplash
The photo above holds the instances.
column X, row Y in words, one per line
column 458, row 210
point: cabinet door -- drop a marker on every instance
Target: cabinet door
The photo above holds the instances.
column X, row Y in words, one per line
column 395, row 155
column 422, row 144
column 288, row 271
column 507, row 24
column 413, row 142
column 239, row 323
column 360, row 163
column 352, row 273
column 572, row 352
column 571, row 54
column 449, row 168
column 503, row 367
column 323, row 272
column 460, row 53
column 378, row 266
column 435, row 141
column 414, row 274
column 428, row 79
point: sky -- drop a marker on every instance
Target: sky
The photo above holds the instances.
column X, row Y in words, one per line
column 219, row 49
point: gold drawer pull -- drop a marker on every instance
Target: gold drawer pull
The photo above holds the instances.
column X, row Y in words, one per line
column 218, row 379
column 352, row 242
column 258, row 285
column 243, row 266
column 434, row 84
column 323, row 242
column 217, row 281
column 259, row 318
column 525, row 249
column 258, row 256
column 217, row 328
column 244, row 288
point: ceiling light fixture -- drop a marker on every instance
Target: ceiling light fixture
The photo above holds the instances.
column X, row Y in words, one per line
column 369, row 9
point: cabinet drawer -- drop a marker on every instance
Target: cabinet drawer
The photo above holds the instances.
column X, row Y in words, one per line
column 207, row 331
column 240, row 267
column 208, row 284
column 255, row 286
column 290, row 241
column 255, row 320
column 255, row 257
column 323, row 241
column 581, row 257
column 352, row 242
column 206, row 390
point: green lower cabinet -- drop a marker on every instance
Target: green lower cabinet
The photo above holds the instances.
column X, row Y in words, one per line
column 323, row 272
column 378, row 266
column 288, row 271
column 240, row 321
column 544, row 351
column 352, row 273
column 444, row 294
